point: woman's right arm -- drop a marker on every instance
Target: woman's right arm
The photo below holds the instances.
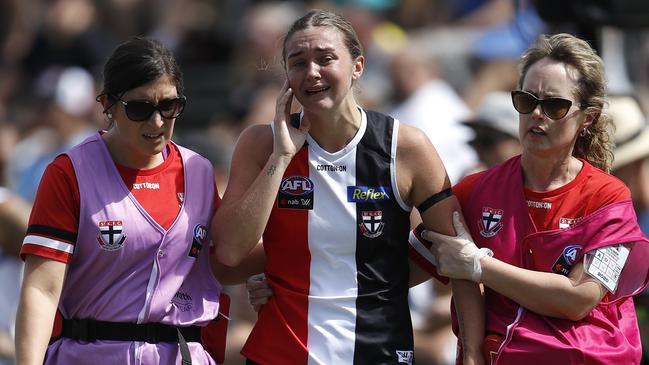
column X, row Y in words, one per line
column 39, row 298
column 258, row 164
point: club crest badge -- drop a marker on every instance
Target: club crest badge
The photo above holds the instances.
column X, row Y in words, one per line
column 491, row 222
column 111, row 236
column 198, row 240
column 567, row 260
column 372, row 223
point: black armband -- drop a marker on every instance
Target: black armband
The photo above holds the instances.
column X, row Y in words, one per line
column 434, row 199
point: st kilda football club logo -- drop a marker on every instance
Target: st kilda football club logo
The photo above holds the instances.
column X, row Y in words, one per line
column 372, row 223
column 198, row 240
column 490, row 224
column 110, row 236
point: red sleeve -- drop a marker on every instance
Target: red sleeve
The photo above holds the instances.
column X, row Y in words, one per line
column 463, row 189
column 54, row 221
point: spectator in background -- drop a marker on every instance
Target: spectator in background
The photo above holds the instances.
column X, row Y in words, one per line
column 631, row 165
column 631, row 162
column 424, row 100
column 495, row 128
column 14, row 213
column 67, row 102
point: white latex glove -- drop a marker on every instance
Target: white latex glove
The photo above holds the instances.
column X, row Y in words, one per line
column 457, row 257
column 258, row 291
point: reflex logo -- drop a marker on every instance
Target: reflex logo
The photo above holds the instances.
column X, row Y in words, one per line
column 368, row 194
column 296, row 185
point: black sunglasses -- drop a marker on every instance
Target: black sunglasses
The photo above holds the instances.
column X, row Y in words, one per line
column 141, row 110
column 554, row 108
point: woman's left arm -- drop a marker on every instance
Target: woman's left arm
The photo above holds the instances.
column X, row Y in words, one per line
column 548, row 294
column 420, row 175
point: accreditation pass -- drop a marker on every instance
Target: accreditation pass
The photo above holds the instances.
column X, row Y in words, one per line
column 605, row 264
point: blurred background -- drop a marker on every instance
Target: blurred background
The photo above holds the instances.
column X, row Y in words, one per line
column 442, row 65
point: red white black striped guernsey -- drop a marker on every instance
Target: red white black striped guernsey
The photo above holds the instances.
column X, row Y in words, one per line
column 337, row 257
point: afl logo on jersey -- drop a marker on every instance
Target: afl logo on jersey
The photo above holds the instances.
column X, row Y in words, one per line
column 110, row 236
column 296, row 185
column 567, row 260
column 295, row 192
column 198, row 240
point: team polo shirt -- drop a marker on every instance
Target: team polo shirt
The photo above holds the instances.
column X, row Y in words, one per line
column 561, row 208
column 590, row 190
column 54, row 220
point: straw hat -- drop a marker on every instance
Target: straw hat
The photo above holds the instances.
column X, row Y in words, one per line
column 631, row 130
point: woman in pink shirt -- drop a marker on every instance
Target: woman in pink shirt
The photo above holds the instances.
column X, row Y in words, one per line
column 567, row 254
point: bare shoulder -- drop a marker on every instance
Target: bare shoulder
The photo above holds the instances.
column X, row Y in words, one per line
column 413, row 144
column 255, row 144
column 411, row 138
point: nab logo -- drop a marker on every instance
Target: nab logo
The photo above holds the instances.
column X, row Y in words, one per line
column 295, row 192
column 296, row 185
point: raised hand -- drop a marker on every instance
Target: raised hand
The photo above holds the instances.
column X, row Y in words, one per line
column 288, row 139
column 457, row 257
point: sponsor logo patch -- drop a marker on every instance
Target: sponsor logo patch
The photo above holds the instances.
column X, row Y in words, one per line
column 405, row 357
column 110, row 235
column 331, row 168
column 491, row 221
column 295, row 192
column 368, row 194
column 567, row 222
column 372, row 223
column 182, row 301
column 198, row 240
column 566, row 260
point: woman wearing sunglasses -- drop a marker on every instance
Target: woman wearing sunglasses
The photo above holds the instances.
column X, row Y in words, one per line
column 567, row 251
column 118, row 237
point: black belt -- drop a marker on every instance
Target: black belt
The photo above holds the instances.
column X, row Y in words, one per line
column 91, row 330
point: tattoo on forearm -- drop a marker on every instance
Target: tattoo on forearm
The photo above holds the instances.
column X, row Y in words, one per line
column 271, row 170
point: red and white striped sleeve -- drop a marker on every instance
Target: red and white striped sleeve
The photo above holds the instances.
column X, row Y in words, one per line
column 54, row 221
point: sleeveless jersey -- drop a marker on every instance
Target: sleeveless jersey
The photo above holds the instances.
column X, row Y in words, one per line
column 126, row 268
column 337, row 257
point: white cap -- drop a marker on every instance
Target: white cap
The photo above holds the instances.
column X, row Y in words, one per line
column 631, row 131
column 72, row 88
column 497, row 112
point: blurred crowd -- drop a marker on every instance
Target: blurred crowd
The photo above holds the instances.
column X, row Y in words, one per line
column 445, row 66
